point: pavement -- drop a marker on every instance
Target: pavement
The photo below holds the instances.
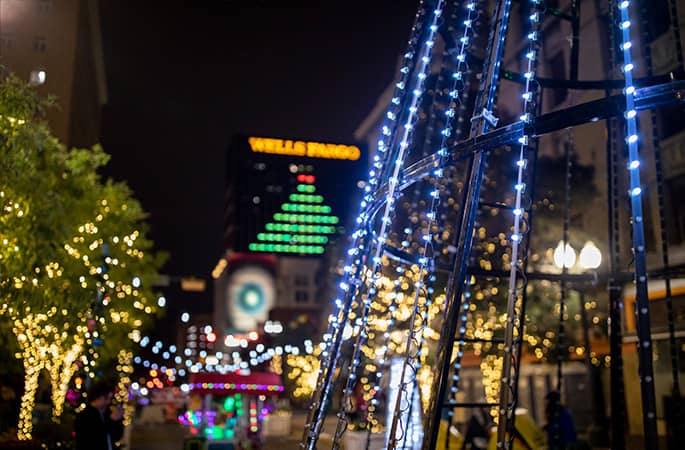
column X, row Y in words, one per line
column 171, row 436
column 157, row 437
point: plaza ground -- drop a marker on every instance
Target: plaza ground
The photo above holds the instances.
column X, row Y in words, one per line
column 170, row 437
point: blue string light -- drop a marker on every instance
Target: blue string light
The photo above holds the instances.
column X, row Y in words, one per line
column 505, row 411
column 646, row 372
column 260, row 355
column 373, row 275
column 352, row 270
column 412, row 361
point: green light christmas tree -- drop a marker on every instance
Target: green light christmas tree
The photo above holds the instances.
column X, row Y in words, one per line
column 302, row 226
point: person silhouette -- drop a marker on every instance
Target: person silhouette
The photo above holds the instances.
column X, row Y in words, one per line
column 561, row 430
column 98, row 426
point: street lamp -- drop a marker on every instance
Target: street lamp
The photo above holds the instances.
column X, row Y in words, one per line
column 564, row 256
column 590, row 256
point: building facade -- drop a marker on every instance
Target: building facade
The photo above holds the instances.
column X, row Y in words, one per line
column 287, row 205
column 56, row 45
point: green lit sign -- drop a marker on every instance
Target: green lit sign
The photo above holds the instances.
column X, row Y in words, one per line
column 302, row 225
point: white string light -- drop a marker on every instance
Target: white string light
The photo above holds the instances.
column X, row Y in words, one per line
column 406, row 135
column 635, row 192
column 353, row 263
column 412, row 362
column 258, row 356
column 528, row 111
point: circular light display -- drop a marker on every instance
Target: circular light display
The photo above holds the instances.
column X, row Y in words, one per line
column 250, row 297
column 251, row 294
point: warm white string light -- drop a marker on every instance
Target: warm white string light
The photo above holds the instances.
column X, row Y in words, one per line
column 383, row 363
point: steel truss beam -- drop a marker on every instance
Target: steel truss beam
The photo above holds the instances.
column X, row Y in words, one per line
column 645, row 98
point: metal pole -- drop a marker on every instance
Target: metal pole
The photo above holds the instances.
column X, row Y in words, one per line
column 618, row 405
column 676, row 418
column 598, row 430
column 645, row 368
column 575, row 39
column 485, row 100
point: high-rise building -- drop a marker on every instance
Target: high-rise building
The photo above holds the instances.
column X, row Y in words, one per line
column 287, row 202
column 56, row 45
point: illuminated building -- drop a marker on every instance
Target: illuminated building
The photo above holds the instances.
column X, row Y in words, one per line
column 56, row 45
column 286, row 205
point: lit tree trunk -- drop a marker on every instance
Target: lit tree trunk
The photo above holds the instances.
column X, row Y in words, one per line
column 29, row 335
column 42, row 347
column 25, row 426
column 125, row 370
column 62, row 367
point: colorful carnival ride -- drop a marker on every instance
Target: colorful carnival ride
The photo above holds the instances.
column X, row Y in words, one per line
column 227, row 411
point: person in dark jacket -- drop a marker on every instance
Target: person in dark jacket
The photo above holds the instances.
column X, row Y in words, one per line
column 561, row 431
column 98, row 426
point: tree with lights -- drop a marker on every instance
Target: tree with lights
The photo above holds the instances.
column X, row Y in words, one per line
column 491, row 253
column 61, row 293
column 392, row 304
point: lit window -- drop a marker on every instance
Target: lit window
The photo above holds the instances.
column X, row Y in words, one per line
column 38, row 76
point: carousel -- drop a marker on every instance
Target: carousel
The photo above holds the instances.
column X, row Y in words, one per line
column 227, row 411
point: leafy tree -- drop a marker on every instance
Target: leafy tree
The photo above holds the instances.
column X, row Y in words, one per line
column 67, row 300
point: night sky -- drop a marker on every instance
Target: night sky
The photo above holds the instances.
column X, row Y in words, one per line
column 184, row 76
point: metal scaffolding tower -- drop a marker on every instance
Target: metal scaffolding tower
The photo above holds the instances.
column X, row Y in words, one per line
column 422, row 210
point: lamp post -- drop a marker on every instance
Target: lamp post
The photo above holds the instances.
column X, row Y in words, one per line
column 590, row 258
column 564, row 256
